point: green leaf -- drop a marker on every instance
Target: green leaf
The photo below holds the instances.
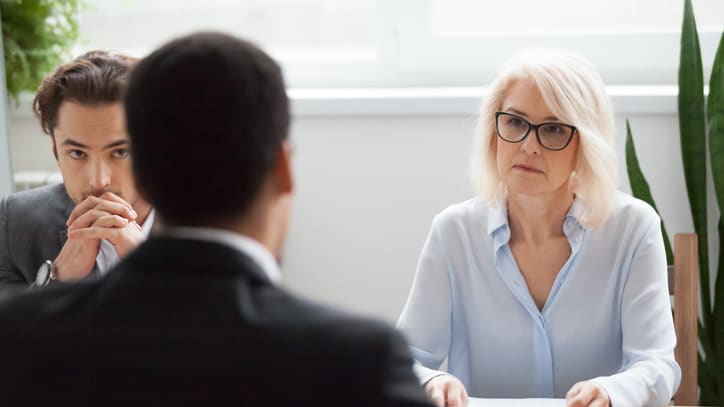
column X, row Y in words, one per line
column 715, row 120
column 692, row 128
column 708, row 395
column 640, row 187
column 37, row 37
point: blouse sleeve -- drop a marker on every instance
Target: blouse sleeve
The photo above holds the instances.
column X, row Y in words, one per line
column 426, row 318
column 649, row 374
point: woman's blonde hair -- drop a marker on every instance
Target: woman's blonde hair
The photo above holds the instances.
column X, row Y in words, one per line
column 575, row 93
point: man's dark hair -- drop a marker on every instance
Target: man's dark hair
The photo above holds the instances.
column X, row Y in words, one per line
column 94, row 78
column 206, row 114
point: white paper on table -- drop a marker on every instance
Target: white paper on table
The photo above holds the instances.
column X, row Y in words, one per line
column 475, row 402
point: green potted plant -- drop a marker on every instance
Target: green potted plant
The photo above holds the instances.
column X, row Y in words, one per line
column 37, row 36
column 699, row 122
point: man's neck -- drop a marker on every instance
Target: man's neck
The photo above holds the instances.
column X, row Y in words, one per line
column 260, row 226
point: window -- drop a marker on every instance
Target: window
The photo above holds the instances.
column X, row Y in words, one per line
column 630, row 42
column 398, row 43
column 315, row 40
column 294, row 30
column 514, row 17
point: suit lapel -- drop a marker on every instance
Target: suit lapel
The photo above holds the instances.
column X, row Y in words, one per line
column 63, row 231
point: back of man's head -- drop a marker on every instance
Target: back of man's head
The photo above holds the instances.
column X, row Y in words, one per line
column 206, row 114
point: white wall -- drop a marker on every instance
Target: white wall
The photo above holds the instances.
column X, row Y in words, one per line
column 369, row 185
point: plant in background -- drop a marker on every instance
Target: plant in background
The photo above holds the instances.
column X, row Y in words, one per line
column 37, row 37
column 694, row 118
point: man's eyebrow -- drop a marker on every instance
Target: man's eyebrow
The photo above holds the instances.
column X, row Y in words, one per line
column 117, row 143
column 71, row 142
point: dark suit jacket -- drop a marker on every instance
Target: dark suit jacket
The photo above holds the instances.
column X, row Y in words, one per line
column 32, row 230
column 194, row 323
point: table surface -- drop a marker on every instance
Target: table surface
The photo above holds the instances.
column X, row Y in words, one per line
column 475, row 402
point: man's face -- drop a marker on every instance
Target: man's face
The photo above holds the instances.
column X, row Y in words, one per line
column 92, row 149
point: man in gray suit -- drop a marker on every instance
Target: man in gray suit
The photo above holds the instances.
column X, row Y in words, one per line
column 81, row 227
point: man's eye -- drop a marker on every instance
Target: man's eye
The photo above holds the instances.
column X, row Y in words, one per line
column 77, row 154
column 120, row 153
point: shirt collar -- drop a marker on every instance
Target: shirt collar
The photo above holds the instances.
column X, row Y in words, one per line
column 573, row 226
column 499, row 228
column 258, row 253
column 497, row 215
column 107, row 256
column 148, row 223
column 577, row 211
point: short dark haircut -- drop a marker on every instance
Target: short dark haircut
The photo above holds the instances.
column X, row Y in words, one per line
column 94, row 78
column 207, row 114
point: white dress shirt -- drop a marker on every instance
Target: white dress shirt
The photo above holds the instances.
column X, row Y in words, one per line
column 258, row 253
column 607, row 316
column 107, row 256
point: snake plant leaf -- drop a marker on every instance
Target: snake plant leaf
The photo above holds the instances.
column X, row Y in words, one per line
column 707, row 383
column 640, row 187
column 692, row 127
column 715, row 120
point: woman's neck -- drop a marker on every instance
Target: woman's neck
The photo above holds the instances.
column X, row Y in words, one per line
column 535, row 219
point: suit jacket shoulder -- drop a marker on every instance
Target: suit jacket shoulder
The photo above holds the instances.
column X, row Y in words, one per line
column 189, row 322
column 32, row 226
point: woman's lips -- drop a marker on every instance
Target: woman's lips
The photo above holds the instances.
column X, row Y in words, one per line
column 527, row 168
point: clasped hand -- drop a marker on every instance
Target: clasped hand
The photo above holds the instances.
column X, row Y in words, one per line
column 108, row 217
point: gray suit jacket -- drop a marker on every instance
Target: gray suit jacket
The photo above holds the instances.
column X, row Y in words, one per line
column 32, row 230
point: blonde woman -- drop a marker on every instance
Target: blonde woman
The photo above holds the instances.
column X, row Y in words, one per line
column 551, row 283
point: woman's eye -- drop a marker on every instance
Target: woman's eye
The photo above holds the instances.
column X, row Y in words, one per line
column 76, row 154
column 516, row 122
column 555, row 129
column 120, row 153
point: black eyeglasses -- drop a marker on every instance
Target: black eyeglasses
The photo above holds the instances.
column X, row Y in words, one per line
column 551, row 136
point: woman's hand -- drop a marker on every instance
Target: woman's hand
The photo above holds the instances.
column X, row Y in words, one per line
column 446, row 390
column 587, row 394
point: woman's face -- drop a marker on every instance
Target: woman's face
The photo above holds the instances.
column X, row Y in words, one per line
column 526, row 167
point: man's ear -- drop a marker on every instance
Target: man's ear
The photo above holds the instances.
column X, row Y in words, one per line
column 283, row 169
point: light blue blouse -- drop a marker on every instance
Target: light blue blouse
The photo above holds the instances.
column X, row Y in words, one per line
column 607, row 316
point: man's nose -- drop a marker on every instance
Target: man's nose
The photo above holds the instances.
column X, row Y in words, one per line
column 100, row 177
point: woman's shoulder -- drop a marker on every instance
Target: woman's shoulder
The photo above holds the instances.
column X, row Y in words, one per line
column 472, row 211
column 628, row 205
column 630, row 211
